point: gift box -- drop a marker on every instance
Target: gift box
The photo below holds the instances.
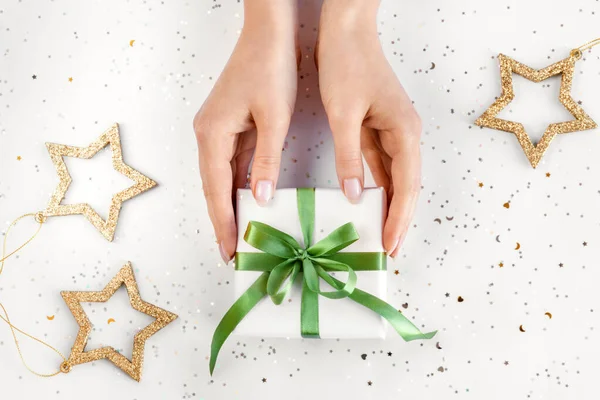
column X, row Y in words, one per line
column 338, row 318
column 311, row 265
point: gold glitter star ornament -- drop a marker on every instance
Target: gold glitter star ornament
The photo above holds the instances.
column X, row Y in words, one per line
column 132, row 367
column 566, row 67
column 110, row 137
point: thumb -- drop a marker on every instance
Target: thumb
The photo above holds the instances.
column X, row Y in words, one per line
column 348, row 155
column 270, row 136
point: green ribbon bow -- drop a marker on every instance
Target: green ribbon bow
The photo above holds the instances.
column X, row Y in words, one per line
column 283, row 258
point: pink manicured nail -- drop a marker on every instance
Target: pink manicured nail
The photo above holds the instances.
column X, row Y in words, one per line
column 352, row 189
column 392, row 251
column 263, row 192
column 224, row 254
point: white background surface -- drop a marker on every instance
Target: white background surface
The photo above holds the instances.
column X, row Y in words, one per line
column 153, row 89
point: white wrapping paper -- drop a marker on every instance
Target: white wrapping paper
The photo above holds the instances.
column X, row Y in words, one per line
column 341, row 318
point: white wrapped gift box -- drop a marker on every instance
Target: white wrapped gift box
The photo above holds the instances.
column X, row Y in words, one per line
column 339, row 318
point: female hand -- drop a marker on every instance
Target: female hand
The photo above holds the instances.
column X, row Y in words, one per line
column 248, row 113
column 369, row 112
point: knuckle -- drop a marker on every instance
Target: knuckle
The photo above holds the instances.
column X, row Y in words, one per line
column 349, row 158
column 412, row 124
column 345, row 114
column 340, row 114
column 214, row 191
column 266, row 162
column 278, row 123
column 336, row 112
column 273, row 119
column 201, row 126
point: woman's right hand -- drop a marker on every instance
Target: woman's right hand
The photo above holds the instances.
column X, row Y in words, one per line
column 248, row 113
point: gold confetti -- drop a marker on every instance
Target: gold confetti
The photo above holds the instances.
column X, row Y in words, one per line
column 131, row 43
column 70, row 79
column 506, row 205
column 518, row 246
column 57, row 154
column 480, row 184
column 78, row 354
column 110, row 321
column 565, row 67
column 521, row 328
column 460, row 299
column 50, row 317
column 549, row 315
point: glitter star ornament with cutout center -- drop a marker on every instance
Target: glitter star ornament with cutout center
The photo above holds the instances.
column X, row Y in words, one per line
column 565, row 67
column 132, row 367
column 110, row 137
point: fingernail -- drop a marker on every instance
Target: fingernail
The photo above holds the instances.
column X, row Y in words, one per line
column 263, row 192
column 224, row 254
column 393, row 252
column 352, row 189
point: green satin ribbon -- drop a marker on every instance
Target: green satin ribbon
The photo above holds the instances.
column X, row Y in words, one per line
column 283, row 259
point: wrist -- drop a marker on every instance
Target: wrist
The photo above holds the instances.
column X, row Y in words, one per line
column 349, row 14
column 276, row 16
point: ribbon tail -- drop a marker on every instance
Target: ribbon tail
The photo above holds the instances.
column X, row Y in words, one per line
column 309, row 312
column 406, row 329
column 236, row 314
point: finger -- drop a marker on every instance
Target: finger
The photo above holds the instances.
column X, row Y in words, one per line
column 271, row 129
column 214, row 152
column 346, row 130
column 406, row 177
column 373, row 157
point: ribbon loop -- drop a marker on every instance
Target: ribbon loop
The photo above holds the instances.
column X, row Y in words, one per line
column 286, row 271
column 342, row 290
column 337, row 240
column 270, row 240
